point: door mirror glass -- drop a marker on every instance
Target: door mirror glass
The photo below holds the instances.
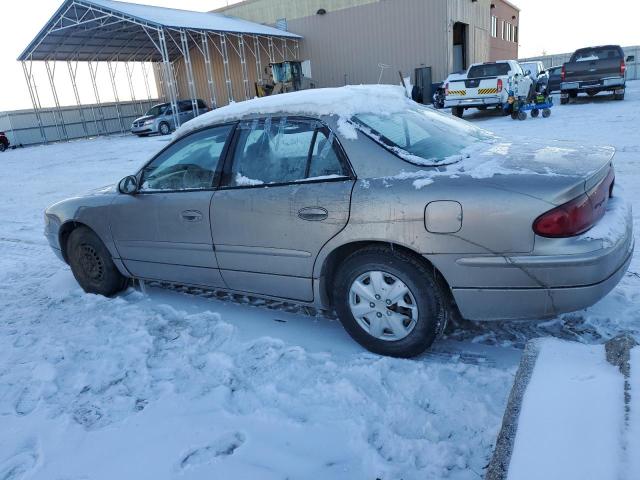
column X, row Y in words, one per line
column 128, row 185
column 631, row 58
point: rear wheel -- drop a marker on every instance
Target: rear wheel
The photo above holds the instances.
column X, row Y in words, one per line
column 573, row 94
column 92, row 265
column 546, row 113
column 564, row 100
column 522, row 115
column 3, row 147
column 535, row 112
column 618, row 96
column 389, row 301
column 458, row 111
column 164, row 128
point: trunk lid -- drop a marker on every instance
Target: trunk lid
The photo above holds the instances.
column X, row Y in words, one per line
column 588, row 70
column 474, row 87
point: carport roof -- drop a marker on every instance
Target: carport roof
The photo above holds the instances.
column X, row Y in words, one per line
column 103, row 30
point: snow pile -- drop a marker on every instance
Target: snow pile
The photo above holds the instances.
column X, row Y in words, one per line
column 572, row 416
column 343, row 102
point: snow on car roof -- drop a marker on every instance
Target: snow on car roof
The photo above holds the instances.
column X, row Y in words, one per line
column 343, row 102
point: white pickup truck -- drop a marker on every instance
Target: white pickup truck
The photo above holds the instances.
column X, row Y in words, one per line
column 487, row 85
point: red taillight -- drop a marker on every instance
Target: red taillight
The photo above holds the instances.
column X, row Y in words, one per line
column 499, row 85
column 563, row 74
column 623, row 67
column 446, row 88
column 578, row 215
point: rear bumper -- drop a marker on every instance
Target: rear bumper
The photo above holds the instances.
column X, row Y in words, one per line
column 473, row 102
column 610, row 83
column 545, row 285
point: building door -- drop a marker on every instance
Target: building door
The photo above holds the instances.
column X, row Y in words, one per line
column 459, row 46
column 423, row 82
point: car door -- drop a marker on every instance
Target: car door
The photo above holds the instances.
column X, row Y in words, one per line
column 163, row 232
column 285, row 192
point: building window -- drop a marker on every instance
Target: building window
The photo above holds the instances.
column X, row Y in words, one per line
column 502, row 29
column 509, row 26
column 515, row 34
column 494, row 26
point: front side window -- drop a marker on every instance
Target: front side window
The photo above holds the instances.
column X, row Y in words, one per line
column 421, row 136
column 188, row 164
column 279, row 150
column 158, row 110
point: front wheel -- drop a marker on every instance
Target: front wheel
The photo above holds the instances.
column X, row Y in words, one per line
column 389, row 302
column 92, row 265
column 164, row 128
column 535, row 112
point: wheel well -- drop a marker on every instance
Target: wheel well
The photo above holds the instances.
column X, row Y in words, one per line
column 63, row 236
column 335, row 258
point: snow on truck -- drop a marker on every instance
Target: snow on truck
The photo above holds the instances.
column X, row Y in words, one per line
column 486, row 85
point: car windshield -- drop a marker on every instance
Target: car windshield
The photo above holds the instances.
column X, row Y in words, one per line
column 422, row 136
column 531, row 67
column 489, row 70
column 598, row 53
column 157, row 110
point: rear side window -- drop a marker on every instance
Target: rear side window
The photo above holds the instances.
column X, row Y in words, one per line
column 596, row 53
column 489, row 70
column 281, row 150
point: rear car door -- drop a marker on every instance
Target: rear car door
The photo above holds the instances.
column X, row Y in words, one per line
column 285, row 192
column 163, row 232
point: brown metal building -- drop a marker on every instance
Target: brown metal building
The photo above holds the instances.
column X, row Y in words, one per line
column 364, row 41
column 505, row 30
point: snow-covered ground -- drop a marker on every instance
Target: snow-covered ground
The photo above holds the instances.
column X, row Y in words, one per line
column 163, row 384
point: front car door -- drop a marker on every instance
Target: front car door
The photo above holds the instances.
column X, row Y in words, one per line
column 285, row 192
column 163, row 232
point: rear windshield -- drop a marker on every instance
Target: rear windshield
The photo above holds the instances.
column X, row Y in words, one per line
column 489, row 70
column 422, row 136
column 596, row 53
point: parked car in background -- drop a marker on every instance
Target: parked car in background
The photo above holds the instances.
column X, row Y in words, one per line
column 4, row 142
column 160, row 119
column 538, row 73
column 359, row 200
column 486, row 85
column 554, row 79
column 594, row 69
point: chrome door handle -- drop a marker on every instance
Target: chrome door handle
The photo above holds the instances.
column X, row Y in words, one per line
column 191, row 216
column 313, row 214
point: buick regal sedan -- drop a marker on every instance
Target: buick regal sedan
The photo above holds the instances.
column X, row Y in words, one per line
column 360, row 201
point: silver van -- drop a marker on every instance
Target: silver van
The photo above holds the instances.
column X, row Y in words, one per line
column 159, row 119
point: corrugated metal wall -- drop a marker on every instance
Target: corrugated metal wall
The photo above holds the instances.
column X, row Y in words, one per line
column 22, row 128
column 633, row 68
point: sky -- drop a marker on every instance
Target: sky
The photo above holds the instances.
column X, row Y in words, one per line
column 549, row 26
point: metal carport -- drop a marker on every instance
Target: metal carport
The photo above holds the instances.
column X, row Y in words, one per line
column 95, row 32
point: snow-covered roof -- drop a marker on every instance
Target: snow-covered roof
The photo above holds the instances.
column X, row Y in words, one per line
column 79, row 31
column 343, row 102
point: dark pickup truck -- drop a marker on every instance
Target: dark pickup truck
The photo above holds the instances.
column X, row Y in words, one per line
column 592, row 70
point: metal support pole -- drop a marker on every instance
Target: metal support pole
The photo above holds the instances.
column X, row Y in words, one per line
column 73, row 76
column 132, row 90
column 58, row 117
column 94, row 73
column 112, row 75
column 145, row 76
column 35, row 99
column 272, row 55
column 206, row 53
column 169, row 77
column 184, row 41
column 243, row 63
column 225, row 62
column 256, row 46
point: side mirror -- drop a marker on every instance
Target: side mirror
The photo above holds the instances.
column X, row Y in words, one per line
column 128, row 185
column 631, row 58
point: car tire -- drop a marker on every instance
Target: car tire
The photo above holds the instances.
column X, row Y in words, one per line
column 92, row 265
column 164, row 128
column 564, row 100
column 618, row 96
column 404, row 326
column 573, row 94
column 457, row 112
column 3, row 147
